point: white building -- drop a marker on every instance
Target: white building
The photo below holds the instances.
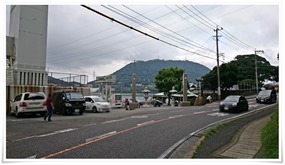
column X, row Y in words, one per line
column 26, row 45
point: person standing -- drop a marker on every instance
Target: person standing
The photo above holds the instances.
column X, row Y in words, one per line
column 127, row 104
column 50, row 108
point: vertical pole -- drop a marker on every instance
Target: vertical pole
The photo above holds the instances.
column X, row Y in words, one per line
column 218, row 65
column 134, row 83
column 256, row 75
column 184, row 87
column 256, row 78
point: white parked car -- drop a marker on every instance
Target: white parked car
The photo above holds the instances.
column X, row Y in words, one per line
column 96, row 104
column 29, row 102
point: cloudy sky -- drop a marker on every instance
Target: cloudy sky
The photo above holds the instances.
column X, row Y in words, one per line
column 83, row 42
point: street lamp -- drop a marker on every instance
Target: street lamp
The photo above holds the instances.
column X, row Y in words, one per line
column 199, row 80
column 145, row 91
column 171, row 92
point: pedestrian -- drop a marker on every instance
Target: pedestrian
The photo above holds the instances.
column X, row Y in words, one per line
column 50, row 108
column 127, row 104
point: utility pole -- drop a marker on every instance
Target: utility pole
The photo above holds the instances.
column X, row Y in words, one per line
column 256, row 75
column 218, row 65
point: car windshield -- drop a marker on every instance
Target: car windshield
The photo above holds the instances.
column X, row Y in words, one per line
column 264, row 93
column 232, row 99
column 34, row 96
column 99, row 99
column 118, row 97
column 74, row 95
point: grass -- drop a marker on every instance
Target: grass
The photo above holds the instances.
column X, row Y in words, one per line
column 270, row 137
column 208, row 134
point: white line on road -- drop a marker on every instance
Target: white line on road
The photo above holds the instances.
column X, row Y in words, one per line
column 89, row 124
column 198, row 112
column 218, row 114
column 172, row 117
column 113, row 121
column 153, row 114
column 139, row 117
column 49, row 134
column 215, row 109
column 58, row 132
column 32, row 157
column 100, row 136
column 145, row 123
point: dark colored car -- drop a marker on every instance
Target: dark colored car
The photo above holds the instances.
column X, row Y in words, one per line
column 266, row 96
column 234, row 103
column 156, row 103
column 68, row 102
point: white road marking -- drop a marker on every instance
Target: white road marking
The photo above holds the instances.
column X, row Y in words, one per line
column 49, row 134
column 58, row 132
column 145, row 123
column 253, row 106
column 139, row 117
column 172, row 117
column 215, row 109
column 153, row 114
column 100, row 136
column 198, row 112
column 210, row 106
column 113, row 121
column 89, row 124
column 32, row 157
column 218, row 114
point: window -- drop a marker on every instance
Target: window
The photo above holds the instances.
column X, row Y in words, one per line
column 34, row 96
column 87, row 99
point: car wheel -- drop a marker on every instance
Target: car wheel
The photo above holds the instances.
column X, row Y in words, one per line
column 17, row 113
column 64, row 111
column 94, row 109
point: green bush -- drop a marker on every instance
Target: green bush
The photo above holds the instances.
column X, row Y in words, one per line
column 270, row 137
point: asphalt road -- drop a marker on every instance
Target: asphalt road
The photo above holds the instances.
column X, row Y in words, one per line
column 140, row 133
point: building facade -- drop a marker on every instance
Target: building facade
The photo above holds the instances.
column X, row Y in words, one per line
column 26, row 45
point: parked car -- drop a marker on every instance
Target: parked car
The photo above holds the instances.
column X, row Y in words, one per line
column 156, row 103
column 234, row 103
column 28, row 102
column 266, row 96
column 97, row 104
column 68, row 101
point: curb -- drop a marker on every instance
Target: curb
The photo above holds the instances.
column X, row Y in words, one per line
column 197, row 133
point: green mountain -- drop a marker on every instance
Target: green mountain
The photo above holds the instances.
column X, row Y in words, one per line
column 147, row 70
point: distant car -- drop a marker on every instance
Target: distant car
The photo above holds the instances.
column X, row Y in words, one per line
column 266, row 96
column 234, row 103
column 28, row 102
column 96, row 104
column 156, row 103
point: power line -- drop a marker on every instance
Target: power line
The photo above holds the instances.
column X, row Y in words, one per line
column 139, row 31
column 200, row 46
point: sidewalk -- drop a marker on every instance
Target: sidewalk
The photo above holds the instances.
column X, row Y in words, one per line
column 237, row 139
column 247, row 143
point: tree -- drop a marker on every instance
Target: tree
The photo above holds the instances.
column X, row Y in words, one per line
column 240, row 71
column 167, row 78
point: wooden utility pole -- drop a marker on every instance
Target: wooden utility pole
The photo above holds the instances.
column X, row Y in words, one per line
column 218, row 65
column 256, row 75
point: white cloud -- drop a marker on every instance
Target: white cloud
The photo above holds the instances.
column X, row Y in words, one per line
column 82, row 41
